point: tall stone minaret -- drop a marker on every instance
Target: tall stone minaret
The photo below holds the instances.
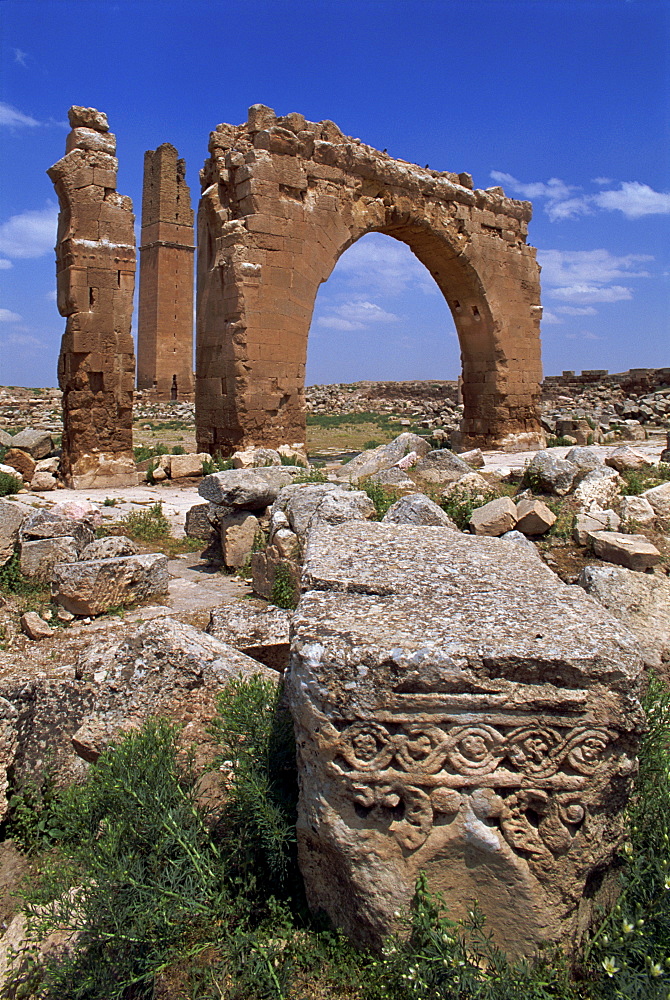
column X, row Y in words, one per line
column 165, row 321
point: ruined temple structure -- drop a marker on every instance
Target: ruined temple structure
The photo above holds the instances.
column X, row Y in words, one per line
column 165, row 320
column 282, row 199
column 95, row 268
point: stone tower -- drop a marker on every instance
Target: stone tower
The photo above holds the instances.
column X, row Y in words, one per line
column 95, row 271
column 165, row 321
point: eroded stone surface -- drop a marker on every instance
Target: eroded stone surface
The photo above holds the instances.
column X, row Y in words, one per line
column 632, row 551
column 96, row 585
column 95, row 268
column 462, row 712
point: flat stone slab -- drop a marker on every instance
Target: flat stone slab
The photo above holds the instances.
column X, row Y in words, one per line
column 459, row 710
column 631, row 551
column 262, row 633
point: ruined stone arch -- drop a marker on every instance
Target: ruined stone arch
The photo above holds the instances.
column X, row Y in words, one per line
column 282, row 199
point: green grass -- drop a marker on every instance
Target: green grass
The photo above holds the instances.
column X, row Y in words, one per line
column 638, row 480
column 382, row 497
column 461, row 502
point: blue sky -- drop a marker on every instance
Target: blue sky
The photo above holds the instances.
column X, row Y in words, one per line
column 564, row 102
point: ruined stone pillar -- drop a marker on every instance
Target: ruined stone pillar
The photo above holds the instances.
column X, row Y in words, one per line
column 165, row 319
column 95, row 270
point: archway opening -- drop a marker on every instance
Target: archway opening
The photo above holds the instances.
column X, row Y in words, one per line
column 381, row 317
column 381, row 327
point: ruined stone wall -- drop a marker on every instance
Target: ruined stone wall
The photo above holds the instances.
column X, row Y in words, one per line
column 165, row 319
column 95, row 271
column 282, row 199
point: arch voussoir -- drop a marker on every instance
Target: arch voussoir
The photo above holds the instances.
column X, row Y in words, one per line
column 282, row 199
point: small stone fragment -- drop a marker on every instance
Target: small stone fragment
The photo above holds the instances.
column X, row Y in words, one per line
column 495, row 518
column 623, row 459
column 34, row 626
column 95, row 586
column 534, row 517
column 632, row 551
column 596, row 520
column 551, row 473
column 637, row 509
column 659, row 498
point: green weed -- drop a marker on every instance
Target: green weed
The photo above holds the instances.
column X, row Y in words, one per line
column 636, row 481
column 143, row 452
column 9, row 484
column 382, row 496
column 283, row 588
column 146, row 525
column 216, row 464
column 558, row 442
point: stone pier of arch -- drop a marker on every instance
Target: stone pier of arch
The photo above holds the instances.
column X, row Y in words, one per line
column 282, row 199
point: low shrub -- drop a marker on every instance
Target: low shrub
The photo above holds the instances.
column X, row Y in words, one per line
column 636, row 481
column 382, row 496
column 283, row 588
column 146, row 525
column 9, row 484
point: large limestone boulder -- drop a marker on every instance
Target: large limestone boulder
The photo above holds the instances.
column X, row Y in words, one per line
column 551, row 473
column 38, row 558
column 495, row 518
column 623, row 459
column 596, row 520
column 94, row 586
column 417, row 508
column 187, row 466
column 637, row 509
column 54, row 524
column 12, row 515
column 262, row 633
column 321, row 503
column 459, row 711
column 534, row 517
column 585, row 459
column 39, row 444
column 383, row 457
column 239, row 530
column 599, row 488
column 21, row 461
column 442, row 467
column 110, row 548
column 251, row 490
column 129, row 673
column 641, row 602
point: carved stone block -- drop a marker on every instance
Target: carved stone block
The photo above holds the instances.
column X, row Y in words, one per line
column 462, row 713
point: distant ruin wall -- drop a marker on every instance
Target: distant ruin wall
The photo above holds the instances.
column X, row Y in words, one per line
column 165, row 318
column 95, row 271
column 282, row 199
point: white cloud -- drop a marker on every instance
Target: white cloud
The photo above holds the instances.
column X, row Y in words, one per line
column 52, row 297
column 7, row 316
column 634, row 200
column 582, row 277
column 385, row 266
column 592, row 293
column 12, row 116
column 561, row 267
column 20, row 57
column 21, row 340
column 5, row 264
column 549, row 318
column 29, row 234
column 583, row 335
column 354, row 315
column 577, row 310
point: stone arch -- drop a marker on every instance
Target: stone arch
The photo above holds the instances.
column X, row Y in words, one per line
column 282, row 199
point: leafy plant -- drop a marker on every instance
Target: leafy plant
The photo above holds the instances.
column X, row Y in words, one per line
column 216, row 464
column 147, row 872
column 636, row 481
column 13, row 581
column 33, row 821
column 109, row 502
column 558, row 442
column 290, row 460
column 146, row 525
column 313, row 475
column 283, row 588
column 143, row 452
column 254, row 733
column 9, row 484
column 382, row 496
column 369, row 445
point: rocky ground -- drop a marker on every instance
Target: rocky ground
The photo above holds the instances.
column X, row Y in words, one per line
column 594, row 508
